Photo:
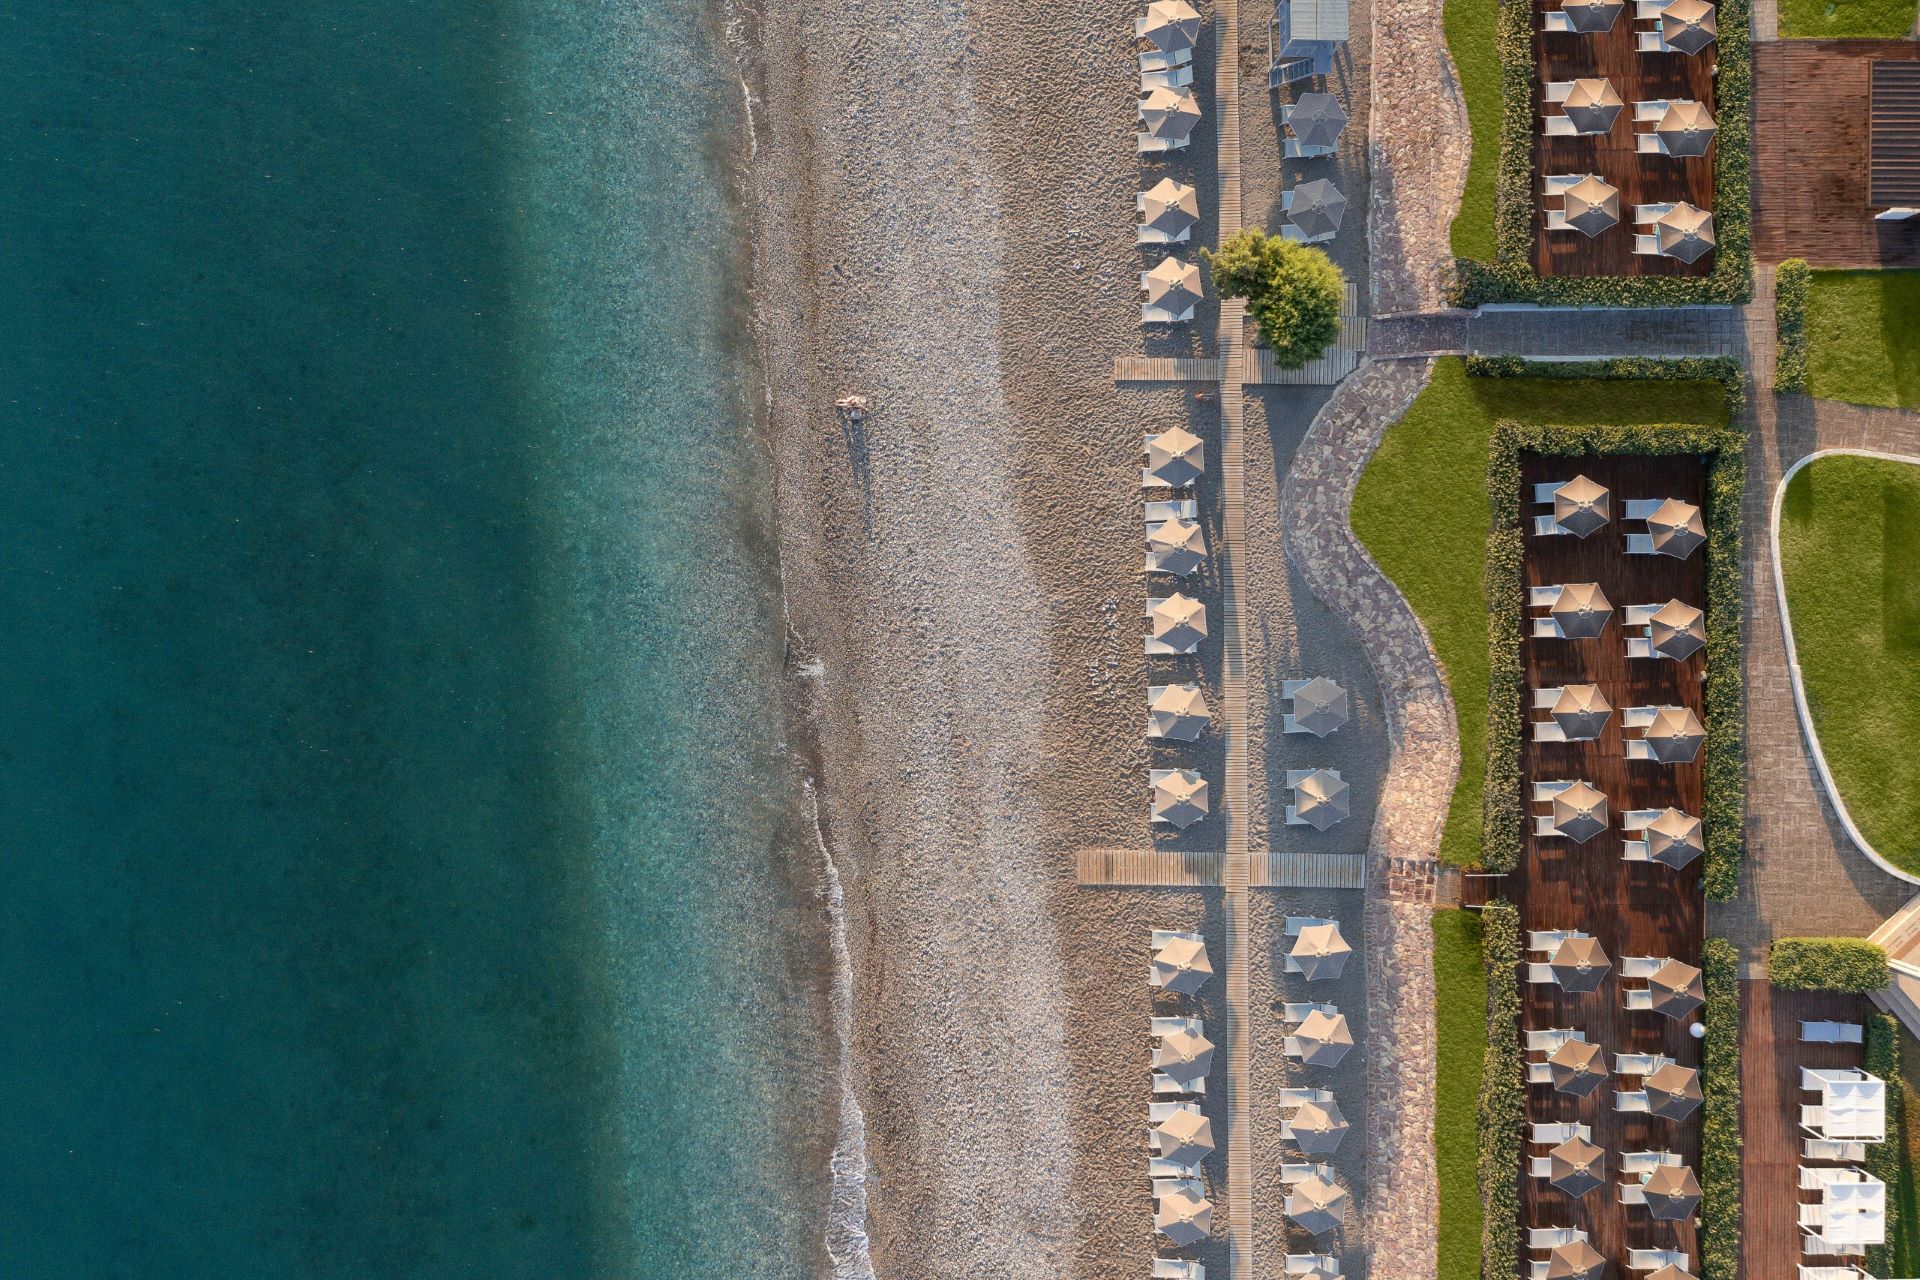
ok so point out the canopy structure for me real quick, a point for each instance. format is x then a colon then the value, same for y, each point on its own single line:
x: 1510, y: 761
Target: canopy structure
x: 1580, y: 506
x: 1580, y: 812
x: 1689, y: 25
x: 1170, y: 207
x: 1593, y: 106
x: 1323, y: 1039
x: 1181, y: 965
x: 1856, y: 1212
x: 1676, y: 989
x: 1172, y: 25
x: 1592, y: 17
x: 1685, y: 233
x: 1685, y: 129
x: 1321, y: 799
x: 1673, y: 1194
x: 1576, y: 1166
x: 1853, y: 1110
x: 1317, y: 120
x: 1677, y: 630
x: 1577, y: 1068
x: 1177, y: 712
x: 1179, y: 796
x: 1582, y: 610
x: 1317, y: 208
x: 1183, y: 1055
x: 1320, y: 952
x: 1318, y: 1127
x: 1179, y: 622
x: 1581, y: 712
x: 1316, y: 1204
x: 1676, y: 527
x: 1176, y: 458
x: 1183, y: 1216
x: 1592, y: 206
x: 1576, y: 1261
x: 1174, y: 286
x: 1675, y: 838
x: 1675, y: 735
x: 1319, y: 706
x: 1579, y: 965
x: 1169, y: 114
x: 1185, y: 1137
x: 1176, y: 546
x: 1673, y: 1091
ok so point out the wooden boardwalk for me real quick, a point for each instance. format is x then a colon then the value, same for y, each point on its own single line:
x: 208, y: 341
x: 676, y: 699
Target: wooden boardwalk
x: 1276, y: 870
x: 1166, y: 369
x: 1205, y: 869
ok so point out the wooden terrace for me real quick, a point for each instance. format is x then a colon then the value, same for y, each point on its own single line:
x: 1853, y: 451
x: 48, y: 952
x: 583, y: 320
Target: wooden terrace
x: 1641, y: 179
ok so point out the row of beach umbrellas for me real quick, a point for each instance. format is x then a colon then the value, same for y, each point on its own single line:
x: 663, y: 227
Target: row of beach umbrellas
x: 1686, y: 26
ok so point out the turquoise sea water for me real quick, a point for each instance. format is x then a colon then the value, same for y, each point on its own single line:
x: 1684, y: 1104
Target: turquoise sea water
x: 394, y: 803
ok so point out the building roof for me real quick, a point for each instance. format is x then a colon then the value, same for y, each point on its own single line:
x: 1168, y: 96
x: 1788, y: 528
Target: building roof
x: 1893, y: 147
x: 1317, y: 20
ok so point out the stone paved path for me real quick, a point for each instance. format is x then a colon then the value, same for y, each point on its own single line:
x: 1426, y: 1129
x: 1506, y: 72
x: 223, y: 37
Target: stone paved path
x: 1315, y: 501
x: 1560, y: 334
x: 1417, y: 147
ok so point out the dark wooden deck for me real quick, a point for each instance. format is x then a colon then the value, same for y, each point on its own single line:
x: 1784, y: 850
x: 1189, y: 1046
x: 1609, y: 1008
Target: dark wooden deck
x: 1810, y: 136
x: 1641, y: 179
x: 1771, y: 1057
x: 1632, y: 908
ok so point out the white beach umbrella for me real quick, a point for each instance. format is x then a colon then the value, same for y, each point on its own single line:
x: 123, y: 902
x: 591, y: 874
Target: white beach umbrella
x: 1689, y: 25
x: 1592, y: 17
x: 1676, y: 989
x: 1582, y: 610
x: 1318, y: 1127
x: 1580, y: 812
x: 1316, y: 1205
x: 1170, y: 207
x: 1169, y: 114
x: 1179, y: 796
x: 1672, y: 1193
x: 1577, y: 1068
x: 1317, y: 208
x: 1592, y: 206
x: 1676, y: 527
x: 1174, y: 286
x: 1183, y: 1055
x: 1323, y: 1039
x: 1580, y: 506
x: 1685, y: 233
x: 1179, y: 622
x: 1320, y: 952
x: 1183, y: 1216
x: 1576, y: 1166
x: 1320, y: 706
x: 1576, y: 1261
x: 1685, y: 129
x: 1674, y: 838
x: 1677, y: 630
x: 1177, y: 546
x: 1581, y: 712
x: 1321, y: 799
x: 1177, y: 712
x: 1181, y: 966
x: 1675, y: 735
x: 1593, y: 105
x: 1172, y: 25
x: 1673, y: 1092
x: 1317, y: 120
x: 1579, y: 964
x: 1175, y: 457
x: 1185, y: 1137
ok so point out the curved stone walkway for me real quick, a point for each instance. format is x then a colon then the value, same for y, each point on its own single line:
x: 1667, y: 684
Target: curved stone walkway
x: 1402, y: 1210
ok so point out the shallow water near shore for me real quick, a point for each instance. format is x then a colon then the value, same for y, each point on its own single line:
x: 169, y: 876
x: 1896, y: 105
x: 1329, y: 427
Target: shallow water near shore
x: 400, y: 872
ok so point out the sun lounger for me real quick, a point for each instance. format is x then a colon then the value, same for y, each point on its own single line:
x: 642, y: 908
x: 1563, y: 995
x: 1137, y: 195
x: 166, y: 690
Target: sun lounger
x: 1556, y: 221
x: 1150, y: 145
x: 1536, y: 1271
x: 1166, y: 509
x: 1649, y: 42
x: 1638, y: 717
x: 1177, y: 1269
x: 1164, y: 1083
x: 1816, y: 1245
x: 1831, y: 1033
x: 1543, y: 699
x: 1548, y: 1041
x: 1555, y: 21
x: 1634, y: 851
x: 1636, y: 1064
x: 1547, y: 629
x: 1548, y: 939
x: 1637, y: 615
x: 1637, y: 749
x: 1552, y: 1135
x: 1301, y: 1097
x: 1830, y: 1273
x: 1630, y: 1100
x: 1541, y: 975
x: 1646, y: 247
x: 1546, y: 526
x: 1632, y: 1193
x: 1558, y: 127
x: 1553, y: 1237
x: 1540, y: 1166
x: 1294, y: 150
x: 1158, y: 938
x: 1557, y: 184
x: 1161, y: 59
x: 1649, y: 110
x: 1647, y: 1161
x: 1828, y: 1149
x: 1821, y: 1179
x: 1539, y: 1073
x: 1302, y: 1011
x: 1542, y: 597
x: 1654, y: 1259
x: 1640, y: 647
x: 1543, y: 828
x: 1545, y: 791
x: 1170, y: 1026
x: 1813, y: 1215
x: 1640, y: 966
x: 1159, y: 1167
x: 1306, y: 1264
x: 1641, y: 508
x: 1544, y: 491
x: 1648, y: 144
x: 1557, y: 91
x: 1293, y: 1172
x: 1548, y: 731
x: 1639, y: 1000
x: 1815, y: 1079
x: 1296, y: 925
x: 1167, y: 78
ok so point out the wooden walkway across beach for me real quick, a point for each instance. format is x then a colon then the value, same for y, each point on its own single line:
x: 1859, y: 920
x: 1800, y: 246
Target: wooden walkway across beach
x: 1254, y: 365
x: 1205, y: 868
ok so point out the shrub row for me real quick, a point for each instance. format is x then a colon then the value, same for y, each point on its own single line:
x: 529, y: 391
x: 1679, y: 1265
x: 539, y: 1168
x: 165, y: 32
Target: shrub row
x: 1884, y: 1158
x: 1790, y: 288
x: 1503, y: 1096
x: 1724, y: 370
x: 1720, y: 1113
x: 1511, y: 277
x: 1827, y: 964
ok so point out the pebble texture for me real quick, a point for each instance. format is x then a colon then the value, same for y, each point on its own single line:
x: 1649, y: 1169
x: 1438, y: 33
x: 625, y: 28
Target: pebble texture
x: 1417, y: 149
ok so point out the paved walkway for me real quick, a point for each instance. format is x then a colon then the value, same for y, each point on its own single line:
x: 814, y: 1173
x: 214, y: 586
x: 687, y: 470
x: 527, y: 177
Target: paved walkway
x: 1417, y: 147
x: 1402, y: 1202
x: 1553, y: 334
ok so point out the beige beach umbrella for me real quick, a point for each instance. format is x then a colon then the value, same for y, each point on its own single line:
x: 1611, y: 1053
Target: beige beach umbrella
x: 1576, y: 1261
x: 1593, y: 105
x: 1582, y: 610
x: 1172, y: 25
x: 1185, y: 1137
x: 1179, y: 796
x: 1677, y: 630
x: 1673, y: 1193
x: 1170, y: 207
x: 1318, y: 1127
x: 1580, y: 812
x: 1321, y: 799
x: 1592, y: 17
x: 1673, y: 1091
x: 1685, y: 129
x: 1689, y: 25
x: 1674, y: 838
x: 1676, y: 528
x: 1576, y: 1166
x: 1577, y: 1068
x: 1580, y: 506
x: 1676, y: 989
x: 1685, y: 233
x: 1592, y: 206
x: 1177, y: 712
x: 1670, y: 1272
x: 1179, y: 622
x: 1181, y: 966
x: 1183, y: 1216
x: 1581, y: 712
x: 1176, y: 546
x: 1169, y: 114
x: 1320, y: 951
x: 1675, y: 735
x: 1579, y: 965
x: 1323, y: 1039
x: 1320, y: 706
x: 1176, y: 457
x: 1316, y: 1205
x: 1174, y: 286
x: 1183, y: 1055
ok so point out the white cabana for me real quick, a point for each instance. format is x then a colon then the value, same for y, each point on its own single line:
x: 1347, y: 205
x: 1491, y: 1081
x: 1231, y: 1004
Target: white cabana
x: 1852, y: 1107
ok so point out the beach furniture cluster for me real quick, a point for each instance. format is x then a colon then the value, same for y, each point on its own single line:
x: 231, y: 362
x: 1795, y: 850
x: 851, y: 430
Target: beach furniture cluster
x: 1300, y: 46
x: 1318, y: 707
x: 1842, y: 1209
x: 1168, y: 111
x: 1318, y: 1039
x: 1176, y: 623
x: 1179, y: 1134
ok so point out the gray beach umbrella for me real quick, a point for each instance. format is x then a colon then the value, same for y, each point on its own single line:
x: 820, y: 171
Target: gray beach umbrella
x: 1580, y: 965
x: 1321, y: 799
x: 1577, y: 1068
x: 1676, y: 528
x: 1580, y: 812
x: 1172, y: 25
x: 1181, y: 966
x: 1179, y: 796
x: 1674, y: 839
x: 1183, y: 1055
x: 1673, y: 1193
x: 1177, y: 546
x: 1582, y: 610
x: 1177, y: 712
x: 1169, y: 114
x: 1581, y: 712
x: 1183, y: 1216
x: 1675, y: 735
x: 1685, y: 129
x: 1580, y: 506
x: 1593, y: 105
x: 1178, y: 621
x: 1174, y: 286
x: 1676, y: 989
x: 1317, y: 120
x: 1576, y: 1261
x: 1673, y: 1091
x: 1685, y: 233
x: 1576, y: 1166
x: 1176, y: 457
x: 1592, y: 206
x: 1689, y: 25
x: 1170, y: 207
x: 1317, y: 208
x: 1185, y: 1137
x: 1320, y: 706
x: 1318, y: 1127
x: 1323, y: 1039
x: 1320, y: 952
x: 1316, y: 1205
x: 1592, y: 17
x: 1677, y: 630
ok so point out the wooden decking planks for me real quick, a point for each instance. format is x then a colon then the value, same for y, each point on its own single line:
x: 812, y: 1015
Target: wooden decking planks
x: 1166, y: 369
x: 1277, y: 870
x: 1161, y: 868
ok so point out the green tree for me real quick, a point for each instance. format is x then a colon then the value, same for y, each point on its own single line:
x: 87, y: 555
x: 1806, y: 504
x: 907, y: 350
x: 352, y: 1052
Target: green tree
x: 1292, y: 291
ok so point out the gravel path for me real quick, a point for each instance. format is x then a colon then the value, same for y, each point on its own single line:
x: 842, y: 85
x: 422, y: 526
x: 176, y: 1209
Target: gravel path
x: 1417, y: 148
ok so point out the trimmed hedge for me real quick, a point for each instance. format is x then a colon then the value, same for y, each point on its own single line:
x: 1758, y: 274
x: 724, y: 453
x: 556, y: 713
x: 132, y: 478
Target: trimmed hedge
x: 1511, y: 277
x: 1724, y: 370
x: 1503, y: 1096
x: 1885, y: 1158
x: 1790, y: 288
x: 1827, y: 964
x: 1720, y: 1112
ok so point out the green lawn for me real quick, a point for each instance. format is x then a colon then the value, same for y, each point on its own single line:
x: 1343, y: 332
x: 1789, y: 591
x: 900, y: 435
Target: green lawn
x: 1863, y: 336
x: 1421, y: 510
x: 1470, y: 39
x: 1831, y: 19
x: 1849, y: 546
x: 1460, y: 1016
